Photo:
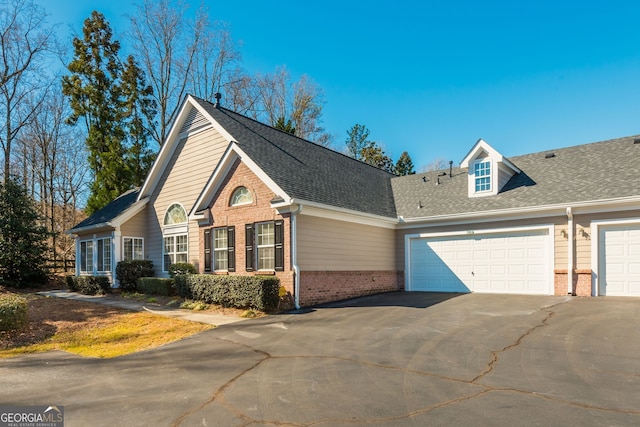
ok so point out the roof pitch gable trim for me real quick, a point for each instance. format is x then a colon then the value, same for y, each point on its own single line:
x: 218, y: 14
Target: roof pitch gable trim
x: 482, y: 145
x: 231, y: 154
x: 175, y: 136
x: 116, y: 222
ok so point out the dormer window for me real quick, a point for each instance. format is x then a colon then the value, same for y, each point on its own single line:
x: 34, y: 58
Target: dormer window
x: 482, y: 176
x: 488, y: 170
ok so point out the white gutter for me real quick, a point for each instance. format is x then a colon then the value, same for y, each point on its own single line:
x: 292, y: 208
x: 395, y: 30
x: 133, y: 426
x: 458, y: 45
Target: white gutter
x: 294, y: 257
x: 570, y: 245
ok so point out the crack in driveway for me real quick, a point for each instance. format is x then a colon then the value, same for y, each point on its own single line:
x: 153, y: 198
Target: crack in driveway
x: 219, y: 395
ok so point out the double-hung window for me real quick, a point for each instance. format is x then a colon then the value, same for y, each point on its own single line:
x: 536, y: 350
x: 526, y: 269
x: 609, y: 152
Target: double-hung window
x: 175, y: 250
x: 132, y: 248
x: 104, y: 255
x: 86, y: 256
x: 265, y: 246
x: 482, y: 175
x: 223, y: 258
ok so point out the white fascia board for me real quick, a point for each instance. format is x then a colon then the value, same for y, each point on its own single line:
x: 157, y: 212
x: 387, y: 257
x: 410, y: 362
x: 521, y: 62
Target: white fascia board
x: 347, y: 215
x: 588, y: 207
x: 231, y: 154
x: 173, y: 139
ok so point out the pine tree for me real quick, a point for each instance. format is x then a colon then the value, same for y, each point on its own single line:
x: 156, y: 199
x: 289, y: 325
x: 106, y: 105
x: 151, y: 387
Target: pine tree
x: 285, y: 126
x: 404, y: 165
x: 115, y: 103
x: 22, y: 238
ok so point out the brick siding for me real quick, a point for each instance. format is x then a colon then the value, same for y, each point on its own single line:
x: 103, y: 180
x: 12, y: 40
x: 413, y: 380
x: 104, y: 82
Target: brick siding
x: 317, y: 287
x: 581, y: 282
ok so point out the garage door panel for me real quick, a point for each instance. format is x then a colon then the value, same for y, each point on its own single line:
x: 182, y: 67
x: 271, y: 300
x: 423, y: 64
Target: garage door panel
x: 619, y: 260
x: 517, y: 262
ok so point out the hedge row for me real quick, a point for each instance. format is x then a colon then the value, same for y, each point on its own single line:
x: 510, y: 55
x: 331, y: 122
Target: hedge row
x: 13, y: 312
x: 156, y: 286
x: 258, y: 292
x: 89, y: 285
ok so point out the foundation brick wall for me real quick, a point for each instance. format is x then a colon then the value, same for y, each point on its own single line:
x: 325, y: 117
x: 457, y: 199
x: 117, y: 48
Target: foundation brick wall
x: 224, y: 215
x: 317, y: 287
x: 581, y: 282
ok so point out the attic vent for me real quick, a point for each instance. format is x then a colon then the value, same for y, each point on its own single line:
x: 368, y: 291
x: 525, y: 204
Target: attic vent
x: 549, y: 155
x: 195, y: 120
x: 636, y: 141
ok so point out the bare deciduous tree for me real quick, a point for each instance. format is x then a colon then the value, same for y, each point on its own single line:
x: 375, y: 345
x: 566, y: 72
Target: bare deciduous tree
x: 165, y: 42
x: 54, y: 169
x: 25, y: 43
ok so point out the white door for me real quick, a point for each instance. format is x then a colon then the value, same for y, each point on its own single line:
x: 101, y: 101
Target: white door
x: 619, y: 268
x: 514, y: 262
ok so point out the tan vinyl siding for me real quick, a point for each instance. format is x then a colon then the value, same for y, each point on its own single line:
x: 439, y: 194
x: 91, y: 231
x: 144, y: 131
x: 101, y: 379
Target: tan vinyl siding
x: 182, y: 182
x: 329, y: 245
x: 503, y: 176
x: 560, y: 245
x: 136, y: 226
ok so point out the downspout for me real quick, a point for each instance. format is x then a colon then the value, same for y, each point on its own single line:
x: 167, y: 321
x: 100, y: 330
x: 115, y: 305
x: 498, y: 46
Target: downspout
x: 570, y: 244
x: 294, y: 257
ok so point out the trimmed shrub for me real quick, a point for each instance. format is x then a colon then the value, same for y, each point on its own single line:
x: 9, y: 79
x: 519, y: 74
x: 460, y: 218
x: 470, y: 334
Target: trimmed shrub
x: 181, y: 268
x: 156, y: 286
x: 71, y: 283
x: 13, y: 312
x: 259, y: 292
x: 89, y: 285
x: 128, y: 272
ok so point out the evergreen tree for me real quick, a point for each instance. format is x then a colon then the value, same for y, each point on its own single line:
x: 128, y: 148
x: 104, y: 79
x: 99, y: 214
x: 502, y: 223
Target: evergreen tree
x: 285, y: 126
x: 357, y: 141
x: 115, y: 103
x: 375, y: 156
x: 404, y: 165
x: 22, y: 238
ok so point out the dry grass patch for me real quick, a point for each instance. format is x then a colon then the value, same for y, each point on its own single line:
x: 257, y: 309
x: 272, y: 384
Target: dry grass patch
x: 92, y: 330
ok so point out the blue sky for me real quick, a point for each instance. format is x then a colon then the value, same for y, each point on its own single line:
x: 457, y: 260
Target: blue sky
x: 431, y: 77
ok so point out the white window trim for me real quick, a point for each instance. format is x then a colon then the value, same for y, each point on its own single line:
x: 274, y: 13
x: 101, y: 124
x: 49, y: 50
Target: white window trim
x: 133, y: 238
x: 165, y: 268
x: 221, y: 249
x: 91, y: 265
x: 243, y: 203
x: 493, y: 177
x: 272, y: 245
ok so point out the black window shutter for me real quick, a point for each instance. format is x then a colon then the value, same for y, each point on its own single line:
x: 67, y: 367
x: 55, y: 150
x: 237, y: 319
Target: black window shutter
x: 279, y: 249
x: 249, y: 246
x: 231, y: 248
x: 207, y: 251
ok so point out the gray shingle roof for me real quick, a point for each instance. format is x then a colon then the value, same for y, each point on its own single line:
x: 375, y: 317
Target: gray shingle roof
x: 308, y: 171
x: 582, y: 173
x: 111, y: 211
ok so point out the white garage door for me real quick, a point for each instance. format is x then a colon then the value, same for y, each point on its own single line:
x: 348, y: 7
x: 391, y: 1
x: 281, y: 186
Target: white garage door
x: 620, y: 260
x: 515, y: 262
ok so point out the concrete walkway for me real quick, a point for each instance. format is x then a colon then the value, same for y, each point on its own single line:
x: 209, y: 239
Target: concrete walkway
x: 129, y: 304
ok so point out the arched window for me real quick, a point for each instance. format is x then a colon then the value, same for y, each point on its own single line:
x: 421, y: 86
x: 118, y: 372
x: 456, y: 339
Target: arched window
x: 175, y: 236
x: 175, y: 215
x: 241, y: 196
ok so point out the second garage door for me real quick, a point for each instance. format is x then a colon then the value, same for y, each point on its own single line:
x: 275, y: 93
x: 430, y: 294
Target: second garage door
x: 620, y: 260
x: 508, y: 262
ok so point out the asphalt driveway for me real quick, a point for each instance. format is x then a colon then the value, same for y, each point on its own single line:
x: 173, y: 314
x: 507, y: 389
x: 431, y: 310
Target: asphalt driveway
x: 399, y: 359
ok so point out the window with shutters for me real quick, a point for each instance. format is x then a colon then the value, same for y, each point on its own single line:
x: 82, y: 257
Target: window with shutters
x: 264, y: 245
x: 223, y: 256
